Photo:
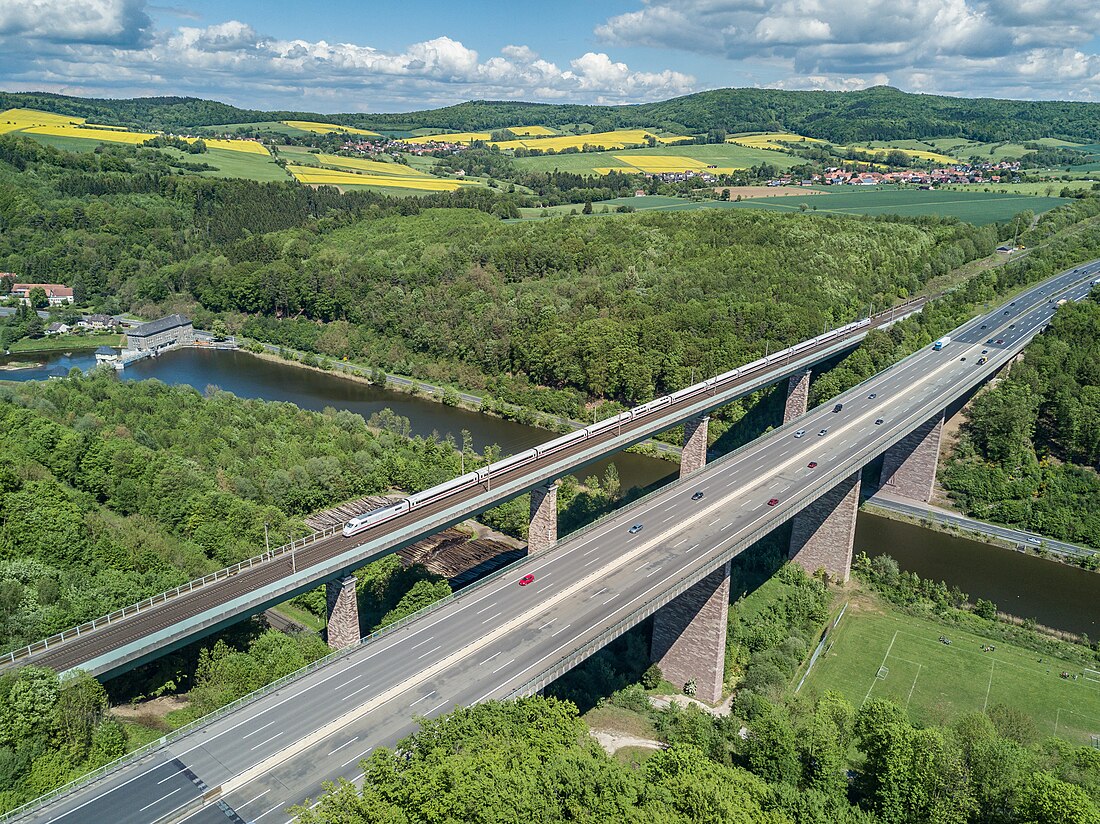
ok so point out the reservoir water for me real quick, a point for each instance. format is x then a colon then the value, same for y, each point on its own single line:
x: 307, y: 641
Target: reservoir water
x: 1053, y: 594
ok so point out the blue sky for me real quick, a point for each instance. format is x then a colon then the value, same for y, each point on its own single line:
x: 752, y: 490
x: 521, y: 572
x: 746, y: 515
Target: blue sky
x: 337, y: 56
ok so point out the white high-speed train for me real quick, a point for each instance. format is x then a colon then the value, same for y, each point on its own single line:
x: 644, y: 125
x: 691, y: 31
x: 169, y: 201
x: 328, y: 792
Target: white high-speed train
x: 367, y: 520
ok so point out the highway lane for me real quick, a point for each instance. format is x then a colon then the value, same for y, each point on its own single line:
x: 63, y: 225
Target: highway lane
x: 207, y: 607
x: 497, y: 636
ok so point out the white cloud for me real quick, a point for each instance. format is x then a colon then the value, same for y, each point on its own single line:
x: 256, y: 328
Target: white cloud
x: 116, y: 22
x: 1030, y: 48
x: 110, y: 48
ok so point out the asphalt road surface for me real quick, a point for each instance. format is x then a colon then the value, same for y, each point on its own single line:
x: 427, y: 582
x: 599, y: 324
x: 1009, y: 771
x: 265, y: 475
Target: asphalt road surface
x: 497, y: 639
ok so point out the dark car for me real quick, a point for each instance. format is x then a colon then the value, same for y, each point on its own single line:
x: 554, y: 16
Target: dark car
x: 985, y: 326
x: 1000, y: 341
x: 963, y: 357
x: 1012, y: 326
x: 989, y: 341
x: 878, y: 421
x: 822, y: 432
x: 985, y: 351
x: 773, y: 502
x: 1012, y: 304
x: 697, y: 496
x: 982, y: 360
x: 635, y: 529
x: 872, y: 396
x: 838, y: 407
x: 812, y: 465
x: 526, y: 579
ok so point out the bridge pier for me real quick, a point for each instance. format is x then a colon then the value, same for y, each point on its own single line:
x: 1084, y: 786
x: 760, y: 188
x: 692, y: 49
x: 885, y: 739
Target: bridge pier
x: 909, y: 467
x: 694, y: 454
x: 798, y: 396
x: 343, y: 612
x: 689, y: 635
x: 823, y: 533
x: 542, y: 531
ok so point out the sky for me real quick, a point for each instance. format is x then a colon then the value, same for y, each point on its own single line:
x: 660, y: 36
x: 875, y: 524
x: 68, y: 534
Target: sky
x: 368, y: 56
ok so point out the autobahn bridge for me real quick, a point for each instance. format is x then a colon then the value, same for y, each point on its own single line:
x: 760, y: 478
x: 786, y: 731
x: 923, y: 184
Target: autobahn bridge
x: 498, y: 640
x: 131, y: 636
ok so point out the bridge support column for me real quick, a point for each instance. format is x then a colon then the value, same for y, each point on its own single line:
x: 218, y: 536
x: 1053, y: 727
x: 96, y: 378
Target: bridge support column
x: 798, y: 396
x: 542, y: 531
x: 822, y: 534
x: 909, y: 466
x: 343, y: 612
x: 689, y: 635
x: 694, y: 455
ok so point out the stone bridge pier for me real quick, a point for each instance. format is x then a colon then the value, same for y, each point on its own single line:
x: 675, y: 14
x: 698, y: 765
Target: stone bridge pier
x: 694, y: 455
x: 542, y: 531
x: 343, y: 612
x: 909, y: 467
x: 823, y: 533
x: 798, y: 396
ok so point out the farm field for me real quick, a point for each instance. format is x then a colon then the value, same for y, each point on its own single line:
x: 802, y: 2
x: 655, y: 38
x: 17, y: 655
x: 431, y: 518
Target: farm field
x: 1036, y: 188
x: 913, y: 148
x: 247, y: 165
x: 619, y: 139
x: 771, y: 140
x: 373, y: 166
x: 313, y: 175
x: 65, y: 132
x: 722, y: 155
x: 273, y: 127
x: 453, y: 137
x: 327, y: 128
x: 887, y: 654
x: 974, y: 207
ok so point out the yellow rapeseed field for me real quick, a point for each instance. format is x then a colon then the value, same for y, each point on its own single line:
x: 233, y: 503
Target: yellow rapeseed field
x: 918, y: 154
x: 373, y: 166
x: 619, y: 139
x: 105, y: 135
x: 770, y: 140
x: 454, y: 137
x: 15, y: 119
x: 246, y: 146
x: 531, y: 131
x: 334, y: 177
x: 327, y: 128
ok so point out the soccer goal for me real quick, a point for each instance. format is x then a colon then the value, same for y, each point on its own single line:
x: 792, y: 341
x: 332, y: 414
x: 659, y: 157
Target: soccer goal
x: 883, y: 672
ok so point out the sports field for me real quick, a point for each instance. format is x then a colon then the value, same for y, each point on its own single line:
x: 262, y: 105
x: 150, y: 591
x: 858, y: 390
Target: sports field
x: 886, y: 654
x: 974, y: 207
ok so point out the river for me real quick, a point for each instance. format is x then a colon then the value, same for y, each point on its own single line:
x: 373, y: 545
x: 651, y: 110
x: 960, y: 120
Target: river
x: 1053, y: 594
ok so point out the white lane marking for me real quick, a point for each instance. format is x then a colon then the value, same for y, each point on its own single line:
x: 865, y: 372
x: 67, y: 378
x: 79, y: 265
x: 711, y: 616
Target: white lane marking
x: 437, y: 706
x: 249, y: 801
x: 354, y: 678
x: 147, y: 806
x: 487, y: 620
x: 654, y: 572
x: 172, y: 775
x: 483, y: 609
x: 356, y: 692
x: 595, y: 560
x: 612, y: 598
x: 364, y: 752
x: 346, y: 743
x: 273, y: 809
x: 490, y: 658
x: 258, y: 729
x: 502, y: 666
x: 600, y: 591
x: 548, y: 623
x: 422, y: 698
x: 422, y: 643
x: 429, y: 652
x: 716, y: 520
x: 266, y: 741
x: 669, y: 518
x: 561, y: 629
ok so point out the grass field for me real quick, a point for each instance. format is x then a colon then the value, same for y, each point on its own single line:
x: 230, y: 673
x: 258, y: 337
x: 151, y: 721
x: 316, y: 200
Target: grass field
x: 372, y: 166
x: 65, y: 343
x: 453, y: 137
x: 273, y: 127
x: 722, y: 155
x: 887, y: 654
x: 261, y: 167
x: 975, y: 207
x: 770, y: 140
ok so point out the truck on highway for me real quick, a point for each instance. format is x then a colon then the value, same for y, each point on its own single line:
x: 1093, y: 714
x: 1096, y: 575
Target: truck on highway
x: 942, y: 342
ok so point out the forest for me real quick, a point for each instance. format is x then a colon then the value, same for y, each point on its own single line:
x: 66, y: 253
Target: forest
x: 878, y: 113
x: 1029, y: 454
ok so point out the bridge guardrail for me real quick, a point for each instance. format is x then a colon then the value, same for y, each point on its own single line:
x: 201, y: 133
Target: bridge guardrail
x: 161, y: 597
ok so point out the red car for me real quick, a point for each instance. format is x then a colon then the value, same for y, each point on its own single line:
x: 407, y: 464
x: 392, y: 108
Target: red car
x: 812, y: 465
x: 526, y: 579
x: 773, y: 502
